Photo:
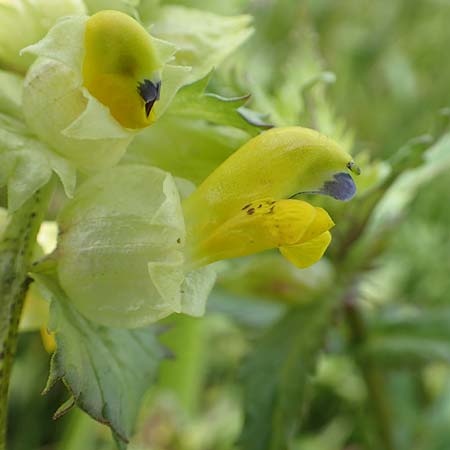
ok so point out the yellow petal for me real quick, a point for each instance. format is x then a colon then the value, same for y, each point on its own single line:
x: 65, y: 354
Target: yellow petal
x: 258, y: 226
x: 321, y: 223
x: 306, y: 254
x: 48, y: 340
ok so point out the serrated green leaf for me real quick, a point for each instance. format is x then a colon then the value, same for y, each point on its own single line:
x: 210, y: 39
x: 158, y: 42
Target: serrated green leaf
x: 106, y: 370
x: 276, y: 377
x: 192, y: 102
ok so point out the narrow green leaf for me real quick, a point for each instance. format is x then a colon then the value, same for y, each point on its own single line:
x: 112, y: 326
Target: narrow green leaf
x: 276, y: 376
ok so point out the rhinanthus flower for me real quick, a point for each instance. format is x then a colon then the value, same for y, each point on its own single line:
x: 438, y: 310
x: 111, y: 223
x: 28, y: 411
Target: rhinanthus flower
x: 91, y: 89
x: 246, y: 205
x: 130, y: 251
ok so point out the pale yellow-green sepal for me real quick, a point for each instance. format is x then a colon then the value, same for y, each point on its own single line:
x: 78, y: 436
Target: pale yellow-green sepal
x: 309, y: 252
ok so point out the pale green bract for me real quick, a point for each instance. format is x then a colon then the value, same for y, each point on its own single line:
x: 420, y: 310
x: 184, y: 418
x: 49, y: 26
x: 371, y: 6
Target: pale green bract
x: 11, y: 94
x: 204, y: 39
x: 190, y: 149
x: 4, y: 220
x: 120, y: 252
x: 26, y: 164
x: 126, y: 6
x: 23, y: 22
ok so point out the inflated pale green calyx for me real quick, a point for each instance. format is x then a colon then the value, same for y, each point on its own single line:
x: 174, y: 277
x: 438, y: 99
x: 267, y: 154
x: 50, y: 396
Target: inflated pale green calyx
x: 120, y: 256
x: 121, y: 67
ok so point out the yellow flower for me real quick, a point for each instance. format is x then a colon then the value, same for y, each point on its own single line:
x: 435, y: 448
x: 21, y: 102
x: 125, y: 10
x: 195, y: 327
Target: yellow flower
x: 246, y: 205
x: 122, y: 73
x: 130, y: 252
x: 97, y: 81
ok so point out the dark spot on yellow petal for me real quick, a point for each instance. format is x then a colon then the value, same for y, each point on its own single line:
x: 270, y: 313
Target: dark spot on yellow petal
x: 251, y: 211
x: 246, y: 206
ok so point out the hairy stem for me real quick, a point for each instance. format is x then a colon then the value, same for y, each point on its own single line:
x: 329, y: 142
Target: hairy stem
x: 372, y: 375
x: 16, y: 252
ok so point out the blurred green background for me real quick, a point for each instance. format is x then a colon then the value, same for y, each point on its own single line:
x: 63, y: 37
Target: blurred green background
x: 352, y: 353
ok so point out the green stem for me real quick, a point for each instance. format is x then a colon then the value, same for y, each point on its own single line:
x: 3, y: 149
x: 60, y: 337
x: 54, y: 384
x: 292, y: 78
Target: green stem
x: 184, y: 374
x: 16, y: 252
x: 372, y: 375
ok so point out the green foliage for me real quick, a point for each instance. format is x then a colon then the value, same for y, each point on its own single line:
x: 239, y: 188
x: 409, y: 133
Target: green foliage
x: 276, y: 376
x: 198, y: 132
x: 106, y: 370
x: 26, y: 164
x: 351, y: 353
x: 193, y: 103
x: 204, y: 39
